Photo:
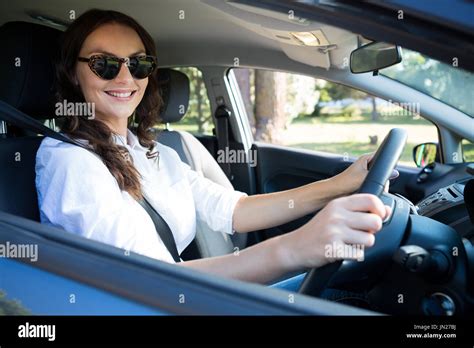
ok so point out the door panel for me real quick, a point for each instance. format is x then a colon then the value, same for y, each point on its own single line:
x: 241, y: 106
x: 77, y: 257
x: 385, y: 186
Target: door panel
x: 282, y: 168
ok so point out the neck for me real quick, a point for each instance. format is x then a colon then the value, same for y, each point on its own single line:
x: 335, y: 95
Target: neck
x: 116, y: 125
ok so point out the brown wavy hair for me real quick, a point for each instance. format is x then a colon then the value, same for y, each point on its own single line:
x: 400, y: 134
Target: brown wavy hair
x: 97, y: 133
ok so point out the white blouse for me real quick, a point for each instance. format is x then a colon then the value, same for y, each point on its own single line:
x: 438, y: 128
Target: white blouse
x: 77, y: 192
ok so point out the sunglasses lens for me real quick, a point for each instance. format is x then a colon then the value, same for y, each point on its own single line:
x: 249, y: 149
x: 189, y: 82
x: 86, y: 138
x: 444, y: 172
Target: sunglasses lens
x: 142, y: 67
x: 106, y: 67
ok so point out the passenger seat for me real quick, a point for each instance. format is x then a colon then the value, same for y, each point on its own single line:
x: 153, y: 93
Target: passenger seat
x: 175, y: 93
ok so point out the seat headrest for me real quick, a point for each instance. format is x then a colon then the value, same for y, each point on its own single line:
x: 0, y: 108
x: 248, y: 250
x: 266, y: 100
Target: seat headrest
x: 26, y: 67
x: 174, y: 87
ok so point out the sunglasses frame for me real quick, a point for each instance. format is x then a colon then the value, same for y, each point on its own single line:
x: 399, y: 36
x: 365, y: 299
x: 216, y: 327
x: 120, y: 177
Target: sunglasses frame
x: 126, y: 60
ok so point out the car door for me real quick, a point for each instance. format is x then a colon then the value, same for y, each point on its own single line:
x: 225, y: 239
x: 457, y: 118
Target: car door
x: 66, y: 274
x: 322, y: 136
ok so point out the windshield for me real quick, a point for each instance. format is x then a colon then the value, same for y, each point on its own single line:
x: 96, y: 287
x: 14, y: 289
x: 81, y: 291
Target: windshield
x: 448, y: 83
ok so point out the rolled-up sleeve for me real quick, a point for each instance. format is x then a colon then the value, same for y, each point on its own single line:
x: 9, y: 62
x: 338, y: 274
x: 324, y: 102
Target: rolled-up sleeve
x: 214, y: 203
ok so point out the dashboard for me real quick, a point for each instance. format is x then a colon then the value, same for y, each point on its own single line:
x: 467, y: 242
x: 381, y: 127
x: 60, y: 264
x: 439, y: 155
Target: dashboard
x: 447, y: 205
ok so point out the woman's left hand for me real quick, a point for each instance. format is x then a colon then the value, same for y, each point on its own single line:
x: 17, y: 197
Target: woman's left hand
x: 350, y: 180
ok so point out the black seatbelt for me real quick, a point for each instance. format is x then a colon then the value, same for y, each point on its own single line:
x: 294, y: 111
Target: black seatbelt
x: 14, y: 116
x: 17, y: 118
x: 162, y: 228
x: 222, y: 116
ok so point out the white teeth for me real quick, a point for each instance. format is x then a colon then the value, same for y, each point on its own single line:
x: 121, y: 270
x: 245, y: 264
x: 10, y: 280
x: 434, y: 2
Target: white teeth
x: 120, y: 95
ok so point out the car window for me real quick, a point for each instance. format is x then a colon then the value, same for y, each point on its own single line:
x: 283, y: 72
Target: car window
x: 198, y: 118
x: 304, y: 112
x: 468, y: 150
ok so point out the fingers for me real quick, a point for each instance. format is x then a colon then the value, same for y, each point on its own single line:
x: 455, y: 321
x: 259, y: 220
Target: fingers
x: 364, y: 221
x: 352, y: 245
x: 366, y: 158
x: 364, y: 202
x: 395, y: 174
x: 359, y: 238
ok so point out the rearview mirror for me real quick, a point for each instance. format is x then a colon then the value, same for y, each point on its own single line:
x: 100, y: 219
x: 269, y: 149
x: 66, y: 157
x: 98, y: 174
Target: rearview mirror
x: 424, y: 154
x: 374, y: 56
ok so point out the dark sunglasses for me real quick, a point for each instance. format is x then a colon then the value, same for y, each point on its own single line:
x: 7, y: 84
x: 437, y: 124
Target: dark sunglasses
x: 108, y: 67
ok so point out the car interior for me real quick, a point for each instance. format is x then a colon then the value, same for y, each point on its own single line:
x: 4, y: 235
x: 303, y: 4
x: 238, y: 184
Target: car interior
x: 426, y: 250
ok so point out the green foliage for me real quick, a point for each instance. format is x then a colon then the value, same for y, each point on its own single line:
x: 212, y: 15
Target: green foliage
x: 324, y: 95
x: 337, y: 91
x: 199, y: 110
x: 468, y: 151
x: 445, y: 82
x: 11, y: 307
x: 330, y: 91
x: 351, y: 110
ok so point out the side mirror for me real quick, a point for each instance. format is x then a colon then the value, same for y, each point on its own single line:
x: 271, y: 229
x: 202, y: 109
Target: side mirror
x: 374, y: 56
x: 426, y: 153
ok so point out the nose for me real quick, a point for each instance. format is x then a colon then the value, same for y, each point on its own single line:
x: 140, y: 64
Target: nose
x: 124, y: 74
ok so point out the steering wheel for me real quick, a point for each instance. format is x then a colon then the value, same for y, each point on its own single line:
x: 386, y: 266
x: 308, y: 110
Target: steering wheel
x: 390, y: 237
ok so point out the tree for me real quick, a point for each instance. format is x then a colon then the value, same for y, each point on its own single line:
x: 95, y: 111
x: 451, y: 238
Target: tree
x: 270, y: 98
x: 335, y: 91
x: 244, y: 80
x: 446, y: 82
x: 11, y: 307
x: 374, y: 114
x: 199, y: 109
x: 199, y: 90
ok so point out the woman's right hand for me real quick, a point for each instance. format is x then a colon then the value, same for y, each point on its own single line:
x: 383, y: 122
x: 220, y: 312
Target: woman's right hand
x: 351, y: 220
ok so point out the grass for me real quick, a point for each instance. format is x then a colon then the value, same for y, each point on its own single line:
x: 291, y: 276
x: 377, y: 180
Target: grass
x: 356, y: 149
x: 353, y: 148
x: 188, y: 125
x: 365, y: 118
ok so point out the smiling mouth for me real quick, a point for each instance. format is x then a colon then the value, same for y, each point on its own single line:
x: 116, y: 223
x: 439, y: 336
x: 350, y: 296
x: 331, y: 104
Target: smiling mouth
x: 120, y: 95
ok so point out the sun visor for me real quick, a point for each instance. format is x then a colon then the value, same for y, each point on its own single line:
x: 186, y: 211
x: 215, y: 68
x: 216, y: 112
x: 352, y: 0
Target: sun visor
x: 302, y: 40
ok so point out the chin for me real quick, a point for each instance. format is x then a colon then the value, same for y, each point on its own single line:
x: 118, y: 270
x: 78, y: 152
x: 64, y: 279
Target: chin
x: 120, y: 113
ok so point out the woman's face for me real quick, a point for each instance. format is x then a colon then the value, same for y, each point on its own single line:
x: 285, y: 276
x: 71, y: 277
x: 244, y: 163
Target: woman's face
x: 115, y: 100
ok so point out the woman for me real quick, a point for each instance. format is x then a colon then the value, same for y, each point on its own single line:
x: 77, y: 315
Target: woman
x: 107, y: 59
